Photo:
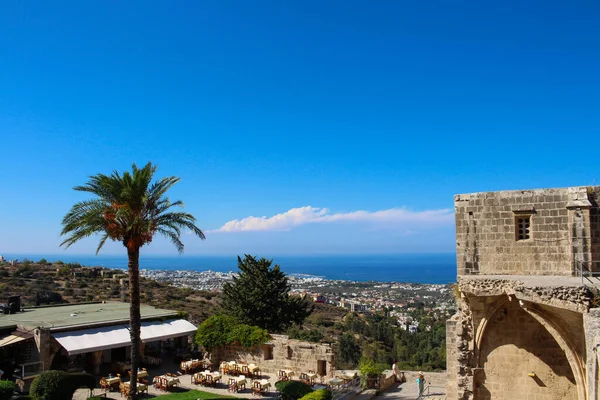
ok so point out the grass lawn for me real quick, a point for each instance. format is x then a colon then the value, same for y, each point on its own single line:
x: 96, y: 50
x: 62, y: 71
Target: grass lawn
x: 189, y: 395
x: 193, y: 395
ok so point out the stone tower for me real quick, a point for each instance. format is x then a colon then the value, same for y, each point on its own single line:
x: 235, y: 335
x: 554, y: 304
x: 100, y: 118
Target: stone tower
x: 527, y: 288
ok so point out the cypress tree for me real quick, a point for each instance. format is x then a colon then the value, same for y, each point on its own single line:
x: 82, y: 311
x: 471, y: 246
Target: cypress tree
x: 260, y: 295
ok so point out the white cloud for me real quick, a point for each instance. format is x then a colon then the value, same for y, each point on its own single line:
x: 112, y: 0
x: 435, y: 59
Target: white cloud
x: 312, y: 215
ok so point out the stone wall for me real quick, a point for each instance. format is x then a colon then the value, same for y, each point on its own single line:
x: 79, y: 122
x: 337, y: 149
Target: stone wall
x: 519, y: 359
x: 282, y: 353
x: 505, y: 329
x: 564, y: 231
x: 387, y: 379
x: 592, y: 335
x: 452, y: 365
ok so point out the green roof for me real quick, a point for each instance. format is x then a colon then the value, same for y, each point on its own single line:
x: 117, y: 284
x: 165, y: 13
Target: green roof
x: 78, y: 315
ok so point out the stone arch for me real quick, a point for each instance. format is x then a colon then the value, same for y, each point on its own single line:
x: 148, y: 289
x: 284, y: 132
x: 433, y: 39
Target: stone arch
x: 491, y: 310
x: 565, y: 343
x: 518, y: 355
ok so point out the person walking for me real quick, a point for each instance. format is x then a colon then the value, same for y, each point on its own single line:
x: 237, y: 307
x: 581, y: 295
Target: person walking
x: 395, y: 371
x: 421, y: 383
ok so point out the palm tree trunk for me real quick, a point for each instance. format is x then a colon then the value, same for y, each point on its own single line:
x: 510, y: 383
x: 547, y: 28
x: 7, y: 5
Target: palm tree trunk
x: 133, y: 255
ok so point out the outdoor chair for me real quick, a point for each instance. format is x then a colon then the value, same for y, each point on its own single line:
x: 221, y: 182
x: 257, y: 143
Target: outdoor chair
x: 245, y: 371
x: 224, y: 368
x: 282, y: 376
x: 304, y: 378
x: 232, y: 387
x: 197, y: 378
x: 256, y: 388
x: 163, y: 384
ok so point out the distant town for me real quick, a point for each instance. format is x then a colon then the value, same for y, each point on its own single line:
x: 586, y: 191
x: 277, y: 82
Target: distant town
x: 399, y: 300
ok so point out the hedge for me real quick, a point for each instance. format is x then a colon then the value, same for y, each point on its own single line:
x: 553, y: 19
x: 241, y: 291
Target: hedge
x: 7, y: 389
x: 292, y: 390
x: 321, y: 394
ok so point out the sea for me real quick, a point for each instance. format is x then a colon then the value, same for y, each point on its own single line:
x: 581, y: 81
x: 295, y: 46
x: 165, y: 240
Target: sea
x: 437, y: 268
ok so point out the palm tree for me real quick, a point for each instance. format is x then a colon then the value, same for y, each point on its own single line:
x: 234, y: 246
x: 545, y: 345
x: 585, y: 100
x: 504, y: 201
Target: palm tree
x: 129, y: 208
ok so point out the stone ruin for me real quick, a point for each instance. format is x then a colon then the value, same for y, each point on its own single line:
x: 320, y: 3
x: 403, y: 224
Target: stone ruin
x: 526, y: 326
x: 281, y: 353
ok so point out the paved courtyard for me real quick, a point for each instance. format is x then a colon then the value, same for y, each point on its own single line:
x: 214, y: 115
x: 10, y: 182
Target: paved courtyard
x: 185, y: 385
x: 435, y: 388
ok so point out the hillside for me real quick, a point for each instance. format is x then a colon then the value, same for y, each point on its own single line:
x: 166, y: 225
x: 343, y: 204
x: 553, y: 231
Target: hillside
x: 42, y: 282
x: 374, y: 336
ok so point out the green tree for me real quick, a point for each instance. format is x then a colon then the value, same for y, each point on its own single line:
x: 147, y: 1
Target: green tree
x: 129, y: 208
x: 349, y: 351
x: 259, y: 295
x: 223, y: 330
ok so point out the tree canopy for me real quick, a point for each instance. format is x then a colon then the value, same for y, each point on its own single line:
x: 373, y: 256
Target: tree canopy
x: 260, y: 295
x: 224, y: 330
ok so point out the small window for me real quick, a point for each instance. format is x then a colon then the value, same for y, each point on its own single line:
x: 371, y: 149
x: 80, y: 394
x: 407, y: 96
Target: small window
x: 523, y: 227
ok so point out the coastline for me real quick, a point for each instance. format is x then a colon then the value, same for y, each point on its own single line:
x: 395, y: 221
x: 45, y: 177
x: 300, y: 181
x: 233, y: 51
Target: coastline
x: 435, y: 268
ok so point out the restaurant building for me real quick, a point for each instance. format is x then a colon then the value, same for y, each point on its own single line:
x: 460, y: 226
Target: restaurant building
x: 76, y: 337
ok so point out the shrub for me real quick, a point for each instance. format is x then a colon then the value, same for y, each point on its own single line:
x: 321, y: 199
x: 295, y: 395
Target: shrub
x: 51, y: 385
x: 321, y: 394
x: 59, y: 385
x: 369, y: 369
x: 6, y: 389
x: 292, y: 390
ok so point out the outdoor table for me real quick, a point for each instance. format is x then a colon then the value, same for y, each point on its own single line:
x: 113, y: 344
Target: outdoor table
x: 335, y: 382
x: 264, y: 383
x: 141, y: 387
x: 347, y: 376
x: 260, y: 386
x: 215, y: 374
x: 253, y: 369
x: 113, y: 381
x: 311, y: 376
x: 289, y: 373
x: 188, y: 364
x: 171, y: 381
x: 214, y: 377
x: 142, y: 374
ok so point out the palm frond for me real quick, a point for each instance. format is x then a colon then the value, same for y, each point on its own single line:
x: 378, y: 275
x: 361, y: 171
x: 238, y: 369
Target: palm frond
x: 130, y: 208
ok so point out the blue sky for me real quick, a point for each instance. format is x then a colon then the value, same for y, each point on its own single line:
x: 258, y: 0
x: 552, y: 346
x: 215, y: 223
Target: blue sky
x: 347, y: 125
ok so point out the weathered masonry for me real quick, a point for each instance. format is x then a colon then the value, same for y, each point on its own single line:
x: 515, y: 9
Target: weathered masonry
x: 526, y: 326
